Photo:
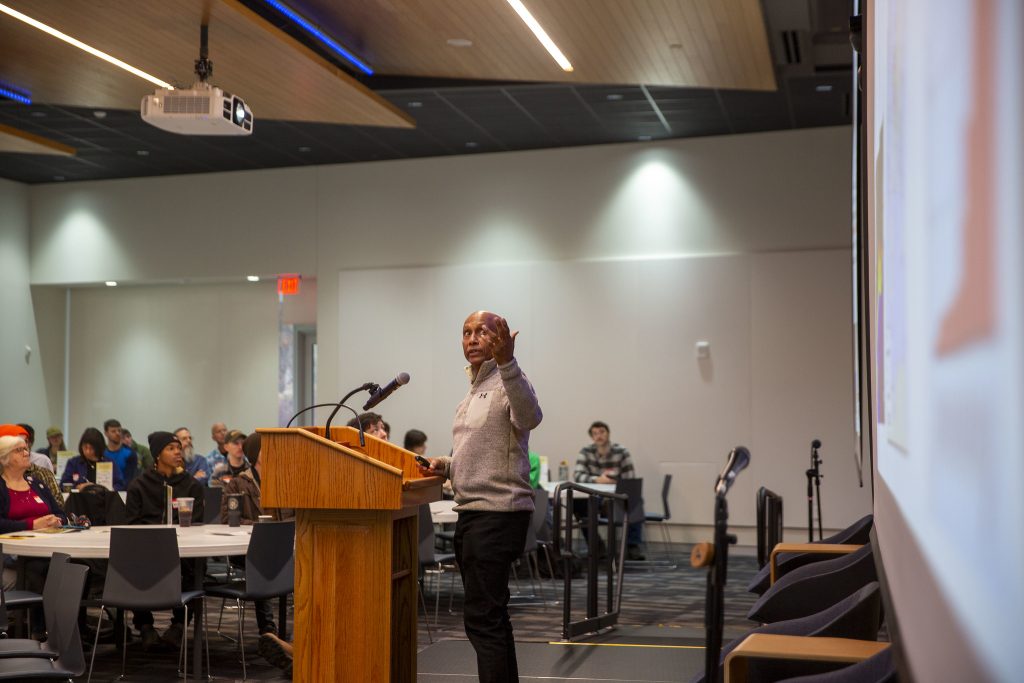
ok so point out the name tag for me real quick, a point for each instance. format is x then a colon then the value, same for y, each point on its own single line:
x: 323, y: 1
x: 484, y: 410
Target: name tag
x: 38, y: 499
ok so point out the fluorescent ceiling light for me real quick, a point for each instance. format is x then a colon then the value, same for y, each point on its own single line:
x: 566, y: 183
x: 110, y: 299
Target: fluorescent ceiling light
x: 324, y: 39
x: 110, y: 283
x: 542, y: 35
x: 252, y: 278
x: 82, y: 46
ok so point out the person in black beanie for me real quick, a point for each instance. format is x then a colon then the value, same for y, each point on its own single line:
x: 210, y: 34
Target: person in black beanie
x: 146, y: 506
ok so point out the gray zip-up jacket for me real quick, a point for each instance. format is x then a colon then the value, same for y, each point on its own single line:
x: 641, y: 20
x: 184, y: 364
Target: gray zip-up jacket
x: 489, y: 466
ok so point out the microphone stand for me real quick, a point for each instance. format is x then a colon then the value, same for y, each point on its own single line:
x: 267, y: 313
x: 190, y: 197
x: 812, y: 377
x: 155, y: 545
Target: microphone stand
x: 814, y: 486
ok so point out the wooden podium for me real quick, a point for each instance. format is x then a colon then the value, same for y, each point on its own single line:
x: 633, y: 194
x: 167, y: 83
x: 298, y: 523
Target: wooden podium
x: 356, y: 544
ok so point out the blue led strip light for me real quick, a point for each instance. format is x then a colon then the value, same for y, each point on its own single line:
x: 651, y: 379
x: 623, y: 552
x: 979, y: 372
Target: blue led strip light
x: 320, y: 35
x: 16, y: 95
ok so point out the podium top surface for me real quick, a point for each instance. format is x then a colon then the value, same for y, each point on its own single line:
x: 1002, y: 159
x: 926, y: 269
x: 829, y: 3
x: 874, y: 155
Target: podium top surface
x: 301, y: 468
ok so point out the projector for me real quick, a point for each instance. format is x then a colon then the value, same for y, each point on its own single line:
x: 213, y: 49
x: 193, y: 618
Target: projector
x: 202, y: 110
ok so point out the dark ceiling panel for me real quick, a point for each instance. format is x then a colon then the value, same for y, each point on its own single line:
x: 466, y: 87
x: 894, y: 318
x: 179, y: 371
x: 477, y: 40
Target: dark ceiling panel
x: 451, y: 119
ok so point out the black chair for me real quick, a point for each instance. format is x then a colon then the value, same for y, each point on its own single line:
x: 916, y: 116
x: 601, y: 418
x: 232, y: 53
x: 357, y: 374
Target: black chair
x: 212, y: 496
x: 102, y: 506
x: 269, y: 572
x: 144, y: 573
x: 531, y: 551
x: 431, y: 561
x: 855, y: 534
x: 63, y: 635
x: 880, y: 668
x: 661, y: 519
x: 27, y: 647
x: 813, y: 587
x: 858, y: 615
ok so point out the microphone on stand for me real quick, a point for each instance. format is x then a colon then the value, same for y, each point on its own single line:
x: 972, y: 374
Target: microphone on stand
x: 378, y: 395
x: 738, y: 460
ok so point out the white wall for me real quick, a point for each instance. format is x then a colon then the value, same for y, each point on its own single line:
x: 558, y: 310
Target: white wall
x: 160, y: 357
x: 23, y: 398
x: 742, y: 237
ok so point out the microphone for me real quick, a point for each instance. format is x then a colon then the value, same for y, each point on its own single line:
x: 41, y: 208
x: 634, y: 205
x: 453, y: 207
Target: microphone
x: 738, y: 460
x: 816, y: 444
x: 382, y: 393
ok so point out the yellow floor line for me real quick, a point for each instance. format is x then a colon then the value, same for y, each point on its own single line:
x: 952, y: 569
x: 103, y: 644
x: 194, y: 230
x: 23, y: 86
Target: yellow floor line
x: 664, y: 647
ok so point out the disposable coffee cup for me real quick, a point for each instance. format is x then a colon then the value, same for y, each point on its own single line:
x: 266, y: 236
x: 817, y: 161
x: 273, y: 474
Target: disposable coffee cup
x: 234, y: 509
x: 185, y: 511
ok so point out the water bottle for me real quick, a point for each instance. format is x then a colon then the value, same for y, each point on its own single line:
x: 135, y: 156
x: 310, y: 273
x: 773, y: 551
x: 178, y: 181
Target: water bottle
x: 563, y: 471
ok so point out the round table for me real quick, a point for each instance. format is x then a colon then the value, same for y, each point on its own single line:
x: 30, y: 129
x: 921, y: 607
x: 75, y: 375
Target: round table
x: 207, y: 540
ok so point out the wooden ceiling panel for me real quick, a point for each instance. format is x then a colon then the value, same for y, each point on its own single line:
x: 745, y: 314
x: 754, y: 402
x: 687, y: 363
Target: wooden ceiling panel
x: 22, y: 142
x: 277, y: 76
x: 697, y: 43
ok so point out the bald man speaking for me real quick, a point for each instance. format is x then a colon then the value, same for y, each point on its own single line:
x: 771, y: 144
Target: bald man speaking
x: 490, y: 473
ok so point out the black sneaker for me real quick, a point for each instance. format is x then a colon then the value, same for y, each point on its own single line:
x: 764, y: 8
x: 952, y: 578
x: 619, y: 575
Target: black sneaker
x: 150, y: 638
x: 633, y: 553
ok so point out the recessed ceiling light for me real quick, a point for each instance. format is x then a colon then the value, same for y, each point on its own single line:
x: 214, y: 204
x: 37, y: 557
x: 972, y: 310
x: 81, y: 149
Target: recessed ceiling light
x: 305, y: 149
x: 110, y: 283
x: 643, y: 138
x: 472, y: 145
x: 414, y: 105
x: 459, y: 42
x: 252, y: 278
x: 142, y: 152
x: 823, y: 88
x: 100, y: 114
x: 82, y: 46
x: 614, y: 97
x: 541, y: 34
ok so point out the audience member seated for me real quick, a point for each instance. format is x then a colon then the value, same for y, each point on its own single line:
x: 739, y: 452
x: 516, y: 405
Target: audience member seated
x: 142, y: 453
x: 119, y: 453
x: 81, y: 469
x: 218, y: 432
x: 245, y: 485
x: 43, y: 474
x: 55, y: 444
x: 415, y: 441
x: 373, y: 424
x: 147, y: 505
x: 604, y: 462
x: 195, y: 463
x: 235, y: 462
x: 38, y: 459
x: 26, y: 504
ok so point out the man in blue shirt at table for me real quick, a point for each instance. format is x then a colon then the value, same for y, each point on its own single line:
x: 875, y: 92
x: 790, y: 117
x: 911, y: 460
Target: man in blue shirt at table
x: 125, y: 458
x: 146, y: 505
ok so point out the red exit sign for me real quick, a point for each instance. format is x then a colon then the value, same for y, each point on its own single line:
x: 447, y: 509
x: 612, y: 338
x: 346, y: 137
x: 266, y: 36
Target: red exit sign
x: 288, y: 285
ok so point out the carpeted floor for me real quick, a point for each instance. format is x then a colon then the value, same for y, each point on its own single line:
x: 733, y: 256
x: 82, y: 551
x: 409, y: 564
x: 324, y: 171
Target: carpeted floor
x: 656, y: 606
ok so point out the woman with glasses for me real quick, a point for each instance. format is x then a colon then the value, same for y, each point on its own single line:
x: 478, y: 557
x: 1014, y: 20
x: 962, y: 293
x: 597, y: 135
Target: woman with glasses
x: 26, y: 504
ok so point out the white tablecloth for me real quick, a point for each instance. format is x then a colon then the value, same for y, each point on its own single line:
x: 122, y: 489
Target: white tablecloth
x: 208, y: 540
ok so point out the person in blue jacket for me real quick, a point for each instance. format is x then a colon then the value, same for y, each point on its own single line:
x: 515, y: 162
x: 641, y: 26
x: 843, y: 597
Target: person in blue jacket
x: 81, y: 469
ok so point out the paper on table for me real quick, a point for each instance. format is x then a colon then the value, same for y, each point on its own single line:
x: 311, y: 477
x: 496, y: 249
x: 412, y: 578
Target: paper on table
x: 62, y: 461
x: 105, y: 475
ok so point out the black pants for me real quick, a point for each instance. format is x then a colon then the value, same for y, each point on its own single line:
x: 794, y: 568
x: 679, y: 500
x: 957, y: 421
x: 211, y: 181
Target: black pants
x: 486, y: 545
x: 264, y: 609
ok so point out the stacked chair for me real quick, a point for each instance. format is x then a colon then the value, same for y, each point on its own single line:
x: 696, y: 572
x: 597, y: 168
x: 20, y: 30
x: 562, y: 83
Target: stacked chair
x: 818, y: 611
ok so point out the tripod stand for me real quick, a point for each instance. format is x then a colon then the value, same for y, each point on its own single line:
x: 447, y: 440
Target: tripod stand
x: 814, y: 476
